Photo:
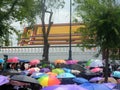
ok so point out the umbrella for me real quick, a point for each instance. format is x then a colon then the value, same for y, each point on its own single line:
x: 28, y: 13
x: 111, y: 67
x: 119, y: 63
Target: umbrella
x: 71, y: 61
x: 66, y: 75
x: 64, y: 87
x: 47, y: 80
x: 32, y: 70
x: 80, y: 80
x: 34, y: 62
x: 51, y: 73
x: 110, y: 80
x: 95, y: 79
x: 96, y: 69
x: 95, y: 63
x: 95, y: 86
x: 110, y: 85
x: 2, y: 61
x: 45, y: 70
x: 60, y: 61
x: 116, y: 74
x: 24, y: 61
x: 13, y: 60
x: 58, y: 71
x: 37, y: 75
x: 24, y: 78
x: 67, y: 70
x: 3, y: 80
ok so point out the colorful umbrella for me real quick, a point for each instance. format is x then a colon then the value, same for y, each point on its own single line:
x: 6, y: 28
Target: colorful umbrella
x: 13, y: 60
x: 66, y: 75
x: 47, y: 80
x: 32, y: 70
x: 37, y: 75
x: 58, y: 71
x: 95, y: 79
x: 2, y: 61
x: 95, y: 86
x: 96, y: 69
x: 95, y: 63
x: 51, y: 74
x: 64, y: 87
x: 34, y: 62
x: 45, y: 70
x: 60, y: 61
x: 110, y: 80
x: 80, y: 80
x: 3, y: 80
x: 71, y: 61
x: 116, y: 74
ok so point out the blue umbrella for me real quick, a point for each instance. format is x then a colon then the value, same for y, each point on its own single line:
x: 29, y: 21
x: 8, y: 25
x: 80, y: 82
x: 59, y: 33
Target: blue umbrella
x: 80, y: 80
x: 2, y: 61
x: 116, y: 74
x: 95, y: 86
x: 66, y: 75
x: 25, y: 61
x: 64, y: 87
x: 37, y: 75
x: 67, y: 70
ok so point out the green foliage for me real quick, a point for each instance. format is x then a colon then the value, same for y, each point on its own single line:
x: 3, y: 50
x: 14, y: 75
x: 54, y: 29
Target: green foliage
x: 23, y: 11
x: 102, y: 18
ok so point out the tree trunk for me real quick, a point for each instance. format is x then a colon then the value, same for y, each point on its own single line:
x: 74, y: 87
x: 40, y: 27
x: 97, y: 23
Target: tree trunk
x: 105, y: 57
x: 45, y: 55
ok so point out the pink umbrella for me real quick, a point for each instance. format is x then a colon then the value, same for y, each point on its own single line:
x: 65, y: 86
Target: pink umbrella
x: 34, y: 62
x: 96, y: 70
x: 32, y: 70
x: 71, y: 61
x: 13, y: 60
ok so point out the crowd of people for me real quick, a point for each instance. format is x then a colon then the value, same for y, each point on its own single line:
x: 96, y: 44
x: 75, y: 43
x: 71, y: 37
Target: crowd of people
x: 79, y: 71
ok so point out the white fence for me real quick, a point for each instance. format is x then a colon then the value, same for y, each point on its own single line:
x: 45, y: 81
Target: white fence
x: 55, y: 52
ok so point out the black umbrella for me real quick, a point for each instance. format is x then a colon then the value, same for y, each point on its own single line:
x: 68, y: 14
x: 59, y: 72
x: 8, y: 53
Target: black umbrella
x: 24, y: 78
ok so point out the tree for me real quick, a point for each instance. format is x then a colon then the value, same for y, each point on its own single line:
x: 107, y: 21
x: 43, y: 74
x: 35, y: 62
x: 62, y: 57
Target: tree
x: 101, y: 18
x: 45, y: 31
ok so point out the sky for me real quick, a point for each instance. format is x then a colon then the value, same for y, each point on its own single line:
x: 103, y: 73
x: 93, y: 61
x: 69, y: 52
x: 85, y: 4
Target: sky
x: 59, y: 16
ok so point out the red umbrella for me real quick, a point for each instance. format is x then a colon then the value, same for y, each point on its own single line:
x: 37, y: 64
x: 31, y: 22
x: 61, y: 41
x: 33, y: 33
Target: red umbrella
x: 34, y: 62
x: 13, y: 60
x: 94, y: 70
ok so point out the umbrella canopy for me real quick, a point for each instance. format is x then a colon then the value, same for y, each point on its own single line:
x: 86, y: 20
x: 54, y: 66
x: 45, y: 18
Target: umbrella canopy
x: 66, y: 75
x: 71, y: 61
x: 34, y: 62
x: 24, y: 78
x: 96, y: 69
x: 32, y: 70
x: 13, y: 60
x: 58, y: 71
x: 24, y: 61
x: 3, y: 80
x: 64, y: 87
x: 80, y: 80
x: 110, y: 80
x: 47, y: 80
x: 51, y: 74
x: 37, y: 75
x: 95, y: 86
x: 95, y: 79
x: 45, y: 70
x: 2, y: 61
x: 60, y: 61
x: 95, y: 63
x: 116, y: 74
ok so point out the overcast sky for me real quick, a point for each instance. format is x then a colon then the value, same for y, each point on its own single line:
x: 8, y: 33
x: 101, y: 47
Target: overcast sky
x: 59, y: 16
